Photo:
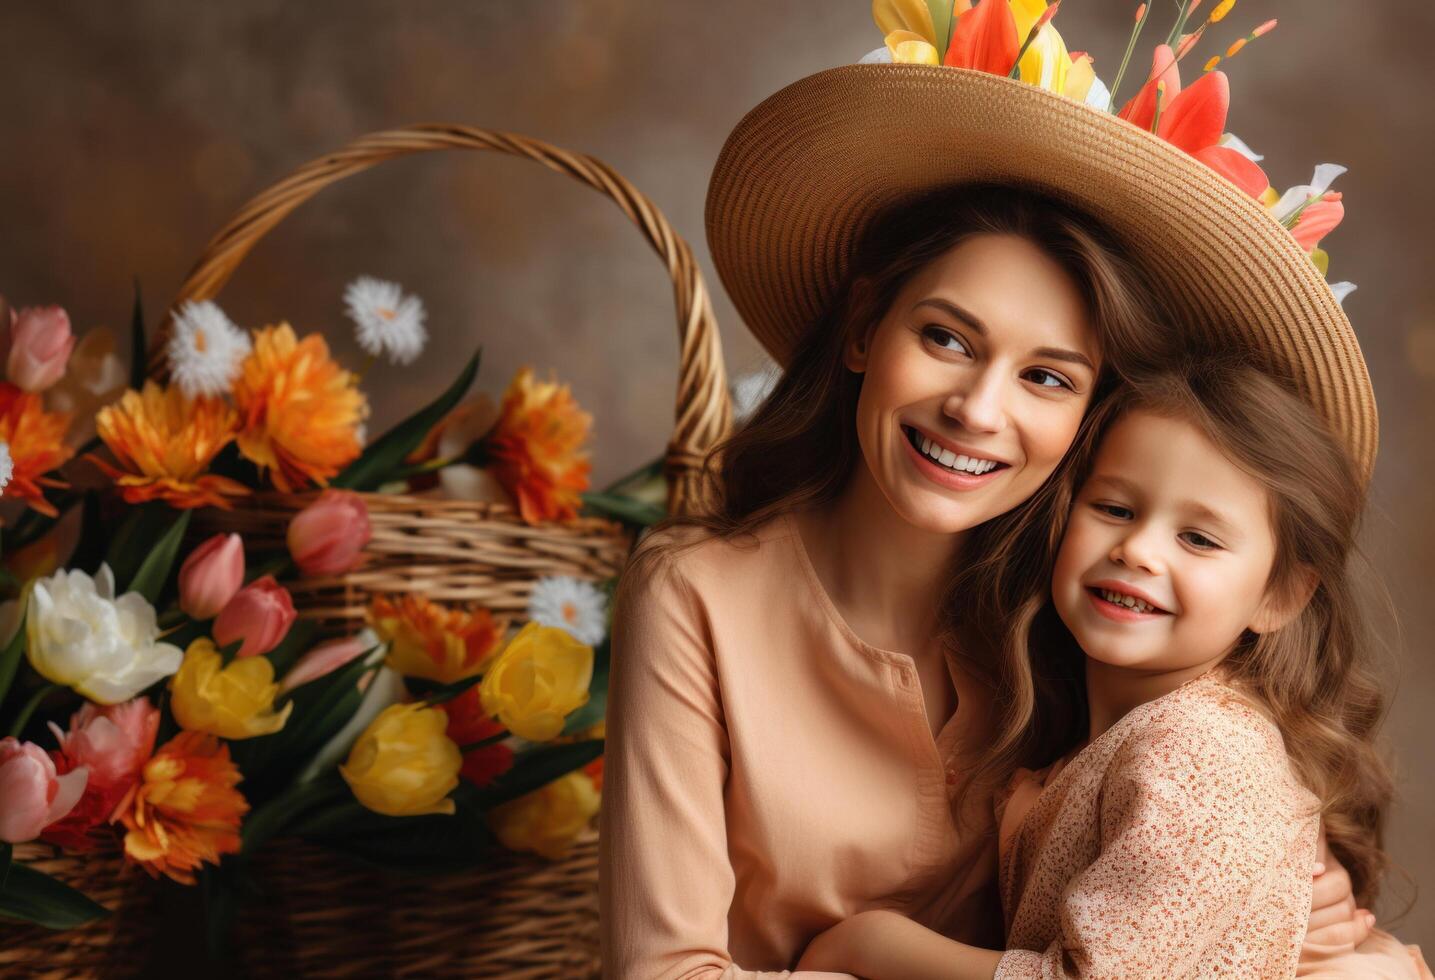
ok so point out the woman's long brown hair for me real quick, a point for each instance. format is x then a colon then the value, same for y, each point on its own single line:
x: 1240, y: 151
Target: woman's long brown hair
x: 800, y: 446
x: 1314, y: 674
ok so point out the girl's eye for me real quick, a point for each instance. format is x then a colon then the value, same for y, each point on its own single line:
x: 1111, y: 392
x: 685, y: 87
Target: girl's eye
x: 1048, y: 379
x: 1116, y: 511
x: 944, y: 339
x: 1199, y: 541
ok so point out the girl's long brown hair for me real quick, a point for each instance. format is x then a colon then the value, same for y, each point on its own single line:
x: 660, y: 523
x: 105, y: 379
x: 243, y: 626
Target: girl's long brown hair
x: 1314, y: 674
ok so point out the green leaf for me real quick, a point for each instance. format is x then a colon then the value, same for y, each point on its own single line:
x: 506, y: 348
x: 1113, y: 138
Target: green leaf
x: 321, y: 708
x: 133, y: 541
x: 642, y: 474
x: 439, y: 693
x: 538, y: 767
x: 139, y: 359
x: 625, y: 509
x: 34, y: 896
x: 387, y: 454
x: 428, y: 844
x: 10, y: 656
x: 154, y: 571
x: 941, y: 25
x: 293, y: 646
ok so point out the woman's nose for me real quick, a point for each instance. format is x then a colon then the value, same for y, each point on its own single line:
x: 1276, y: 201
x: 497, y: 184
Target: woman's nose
x: 982, y: 406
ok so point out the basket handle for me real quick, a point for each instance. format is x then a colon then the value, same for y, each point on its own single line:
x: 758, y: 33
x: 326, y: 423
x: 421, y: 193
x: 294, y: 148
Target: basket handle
x: 703, y: 415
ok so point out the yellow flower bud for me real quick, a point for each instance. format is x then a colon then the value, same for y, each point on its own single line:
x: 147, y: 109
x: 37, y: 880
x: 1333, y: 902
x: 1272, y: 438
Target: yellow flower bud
x: 547, y: 820
x: 234, y: 701
x: 404, y: 765
x: 537, y: 681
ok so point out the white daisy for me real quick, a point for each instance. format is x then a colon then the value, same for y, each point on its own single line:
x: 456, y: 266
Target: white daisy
x: 7, y: 466
x: 205, y: 349
x: 570, y: 604
x: 386, y: 321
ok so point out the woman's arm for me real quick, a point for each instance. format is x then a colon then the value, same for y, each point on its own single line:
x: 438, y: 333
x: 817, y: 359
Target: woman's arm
x: 665, y: 878
x: 883, y: 945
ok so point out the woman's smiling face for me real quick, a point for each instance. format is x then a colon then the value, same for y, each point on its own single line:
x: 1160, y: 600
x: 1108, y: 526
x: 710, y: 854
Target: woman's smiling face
x: 976, y: 381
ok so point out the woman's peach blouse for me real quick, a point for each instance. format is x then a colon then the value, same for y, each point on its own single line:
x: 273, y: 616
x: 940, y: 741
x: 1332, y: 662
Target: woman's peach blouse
x: 769, y: 774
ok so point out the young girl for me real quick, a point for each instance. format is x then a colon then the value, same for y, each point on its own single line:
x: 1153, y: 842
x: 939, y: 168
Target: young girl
x: 1203, y: 576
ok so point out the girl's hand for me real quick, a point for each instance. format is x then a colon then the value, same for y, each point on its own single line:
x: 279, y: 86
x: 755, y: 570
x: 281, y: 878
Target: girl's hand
x: 833, y: 950
x: 1336, y: 924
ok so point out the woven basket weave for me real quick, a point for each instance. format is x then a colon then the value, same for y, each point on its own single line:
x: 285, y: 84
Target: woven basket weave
x: 322, y: 915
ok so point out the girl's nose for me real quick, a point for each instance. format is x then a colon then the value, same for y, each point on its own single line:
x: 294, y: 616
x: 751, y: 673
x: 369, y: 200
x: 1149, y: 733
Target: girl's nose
x: 1139, y: 549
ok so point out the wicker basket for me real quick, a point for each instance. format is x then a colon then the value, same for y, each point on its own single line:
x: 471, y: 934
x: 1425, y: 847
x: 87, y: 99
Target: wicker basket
x: 323, y: 916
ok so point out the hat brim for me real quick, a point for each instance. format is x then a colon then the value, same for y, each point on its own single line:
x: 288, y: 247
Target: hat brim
x: 802, y: 174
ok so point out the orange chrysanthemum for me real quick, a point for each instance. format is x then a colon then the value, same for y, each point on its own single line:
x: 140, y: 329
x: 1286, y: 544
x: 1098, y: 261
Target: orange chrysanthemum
x: 431, y: 641
x: 184, y: 812
x: 300, y: 411
x: 36, y: 439
x: 163, y: 442
x: 536, y: 448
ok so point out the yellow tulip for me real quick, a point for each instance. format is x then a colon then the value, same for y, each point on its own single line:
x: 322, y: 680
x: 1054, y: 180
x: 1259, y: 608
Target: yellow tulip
x: 905, y: 15
x: 909, y: 49
x: 1046, y: 61
x: 537, y: 681
x: 233, y: 702
x: 1026, y: 13
x: 404, y: 765
x: 548, y: 819
x: 1079, y: 78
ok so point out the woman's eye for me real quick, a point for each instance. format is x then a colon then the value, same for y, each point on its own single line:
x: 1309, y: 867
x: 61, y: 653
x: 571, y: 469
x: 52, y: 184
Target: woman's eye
x: 944, y: 339
x: 1199, y: 541
x: 1116, y: 511
x: 1047, y: 379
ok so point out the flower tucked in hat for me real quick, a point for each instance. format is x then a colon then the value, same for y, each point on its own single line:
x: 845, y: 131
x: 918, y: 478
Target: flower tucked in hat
x: 1016, y: 38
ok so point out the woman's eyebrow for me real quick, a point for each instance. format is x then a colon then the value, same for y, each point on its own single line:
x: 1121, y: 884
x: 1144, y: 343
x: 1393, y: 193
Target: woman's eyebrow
x: 966, y: 316
x: 973, y: 321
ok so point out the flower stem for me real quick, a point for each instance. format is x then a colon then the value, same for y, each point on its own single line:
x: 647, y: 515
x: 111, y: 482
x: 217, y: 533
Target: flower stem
x: 29, y: 709
x: 1130, y: 46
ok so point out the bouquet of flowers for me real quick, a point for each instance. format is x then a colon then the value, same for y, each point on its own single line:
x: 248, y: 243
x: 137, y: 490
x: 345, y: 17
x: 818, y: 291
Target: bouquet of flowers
x: 160, y: 694
x: 1017, y: 39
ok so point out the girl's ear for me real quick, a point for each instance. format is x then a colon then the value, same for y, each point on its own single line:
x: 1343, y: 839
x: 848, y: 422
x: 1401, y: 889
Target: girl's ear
x: 1285, y: 601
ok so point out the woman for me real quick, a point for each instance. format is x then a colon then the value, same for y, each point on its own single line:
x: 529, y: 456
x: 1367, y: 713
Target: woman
x: 788, y: 727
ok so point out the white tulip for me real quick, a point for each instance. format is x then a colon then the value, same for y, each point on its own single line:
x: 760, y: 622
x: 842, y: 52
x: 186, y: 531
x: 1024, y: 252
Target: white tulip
x: 81, y: 636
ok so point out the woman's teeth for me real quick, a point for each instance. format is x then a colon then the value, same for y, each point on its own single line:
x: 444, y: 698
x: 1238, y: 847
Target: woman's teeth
x: 1129, y: 601
x: 952, y: 461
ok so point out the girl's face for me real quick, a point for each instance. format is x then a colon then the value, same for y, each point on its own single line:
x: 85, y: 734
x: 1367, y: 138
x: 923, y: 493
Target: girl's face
x: 976, y: 380
x: 1168, y: 552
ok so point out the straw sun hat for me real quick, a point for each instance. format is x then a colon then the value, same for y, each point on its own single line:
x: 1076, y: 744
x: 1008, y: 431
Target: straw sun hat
x: 805, y: 171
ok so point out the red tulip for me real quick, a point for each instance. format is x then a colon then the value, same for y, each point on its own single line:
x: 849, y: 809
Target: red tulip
x: 260, y: 614
x: 211, y: 575
x: 329, y: 536
x: 985, y: 39
x: 40, y: 346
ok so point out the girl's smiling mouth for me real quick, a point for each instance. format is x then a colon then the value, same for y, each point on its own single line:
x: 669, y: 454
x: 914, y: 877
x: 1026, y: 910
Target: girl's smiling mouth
x: 1123, y: 602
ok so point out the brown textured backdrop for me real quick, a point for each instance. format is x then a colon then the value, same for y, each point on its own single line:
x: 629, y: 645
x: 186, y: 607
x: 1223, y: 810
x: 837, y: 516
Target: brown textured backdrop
x: 129, y: 132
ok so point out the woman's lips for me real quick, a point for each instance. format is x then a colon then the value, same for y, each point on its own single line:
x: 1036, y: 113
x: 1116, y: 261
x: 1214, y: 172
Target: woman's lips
x: 945, y: 477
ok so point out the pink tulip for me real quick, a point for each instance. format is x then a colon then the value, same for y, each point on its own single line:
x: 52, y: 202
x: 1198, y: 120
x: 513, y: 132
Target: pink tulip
x: 32, y: 794
x: 327, y: 537
x: 40, y: 346
x: 112, y: 741
x: 260, y: 614
x: 211, y: 575
x: 323, y: 659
